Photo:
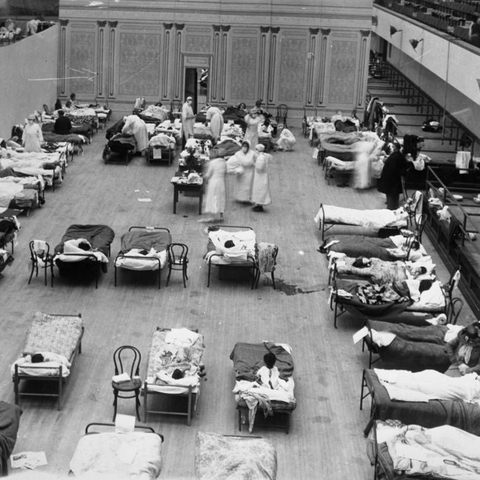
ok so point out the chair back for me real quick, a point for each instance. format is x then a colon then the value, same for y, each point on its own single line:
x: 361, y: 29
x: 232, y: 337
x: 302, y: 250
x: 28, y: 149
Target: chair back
x: 456, y: 306
x: 175, y: 106
x: 39, y: 251
x: 177, y: 253
x: 282, y: 112
x: 127, y: 359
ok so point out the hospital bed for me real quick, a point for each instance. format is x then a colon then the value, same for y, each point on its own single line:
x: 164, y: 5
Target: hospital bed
x: 174, y: 371
x: 58, y: 338
x: 329, y: 216
x: 415, y: 408
x: 401, y: 452
x: 240, y: 257
x: 73, y: 261
x: 143, y: 249
x: 230, y: 456
x: 278, y: 403
x: 103, y: 453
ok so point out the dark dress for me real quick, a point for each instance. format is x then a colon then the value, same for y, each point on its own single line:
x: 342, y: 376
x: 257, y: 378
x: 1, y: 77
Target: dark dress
x: 63, y: 126
x: 390, y: 182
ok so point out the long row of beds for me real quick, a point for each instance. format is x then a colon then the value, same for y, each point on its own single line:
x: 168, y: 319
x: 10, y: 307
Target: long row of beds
x: 423, y: 423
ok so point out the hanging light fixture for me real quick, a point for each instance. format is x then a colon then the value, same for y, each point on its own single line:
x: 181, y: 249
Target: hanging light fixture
x: 414, y: 43
x: 393, y: 30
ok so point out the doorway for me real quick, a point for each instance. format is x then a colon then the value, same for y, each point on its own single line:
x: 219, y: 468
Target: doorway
x: 196, y: 86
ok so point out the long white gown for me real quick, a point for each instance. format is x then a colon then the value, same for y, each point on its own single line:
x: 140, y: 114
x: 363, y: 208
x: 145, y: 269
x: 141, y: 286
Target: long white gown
x: 135, y: 126
x: 215, y: 195
x: 242, y: 165
x: 261, y: 188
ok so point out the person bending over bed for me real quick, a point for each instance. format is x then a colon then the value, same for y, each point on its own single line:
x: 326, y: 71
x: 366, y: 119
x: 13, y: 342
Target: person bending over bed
x: 464, y: 351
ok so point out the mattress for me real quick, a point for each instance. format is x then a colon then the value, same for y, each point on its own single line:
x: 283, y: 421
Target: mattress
x: 242, y: 252
x: 219, y: 457
x: 118, y: 456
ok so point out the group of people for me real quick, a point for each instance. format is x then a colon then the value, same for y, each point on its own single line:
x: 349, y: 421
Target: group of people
x: 251, y: 183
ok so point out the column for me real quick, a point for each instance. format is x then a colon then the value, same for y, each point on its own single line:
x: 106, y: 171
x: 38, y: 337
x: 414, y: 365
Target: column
x: 62, y: 60
x: 100, y: 58
x: 178, y: 64
x: 111, y: 73
x: 272, y: 65
x: 363, y: 67
x: 167, y: 37
x: 325, y: 32
x: 311, y: 59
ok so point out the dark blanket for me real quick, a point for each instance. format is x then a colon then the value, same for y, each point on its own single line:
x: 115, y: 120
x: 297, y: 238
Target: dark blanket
x: 122, y: 143
x: 248, y: 358
x: 8, y: 227
x: 414, y: 356
x: 384, y: 309
x: 145, y: 240
x: 100, y: 238
x: 361, y: 246
x: 227, y: 148
x: 9, y: 424
x: 433, y: 413
x: 50, y: 136
x: 426, y: 334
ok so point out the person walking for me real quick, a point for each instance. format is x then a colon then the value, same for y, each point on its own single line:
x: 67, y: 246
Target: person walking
x: 242, y: 165
x: 215, y: 188
x: 261, y: 187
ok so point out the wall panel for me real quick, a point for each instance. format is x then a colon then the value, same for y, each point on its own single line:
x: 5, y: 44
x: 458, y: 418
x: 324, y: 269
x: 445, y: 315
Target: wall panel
x: 139, y: 64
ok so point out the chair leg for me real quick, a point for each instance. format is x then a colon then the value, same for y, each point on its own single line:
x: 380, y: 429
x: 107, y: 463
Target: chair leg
x: 31, y: 274
x: 168, y: 276
x: 137, y: 404
x: 273, y: 281
x: 51, y: 275
x: 185, y: 278
x: 114, y: 405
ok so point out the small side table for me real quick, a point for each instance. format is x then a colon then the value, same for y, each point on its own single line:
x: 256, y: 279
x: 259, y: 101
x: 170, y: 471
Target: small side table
x: 193, y: 189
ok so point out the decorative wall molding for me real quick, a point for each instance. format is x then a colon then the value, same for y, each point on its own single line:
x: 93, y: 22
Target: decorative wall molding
x: 113, y: 24
x: 275, y: 29
x: 226, y: 28
x: 363, y: 71
x: 101, y: 23
x: 168, y: 26
x: 325, y: 31
x: 291, y: 81
x: 179, y: 26
x: 314, y: 31
x: 243, y: 58
x: 216, y: 28
x: 365, y: 33
x: 63, y: 22
x: 264, y: 29
x: 343, y: 61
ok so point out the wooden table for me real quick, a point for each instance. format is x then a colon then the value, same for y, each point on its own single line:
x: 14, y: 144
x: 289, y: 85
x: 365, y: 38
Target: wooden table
x: 193, y: 190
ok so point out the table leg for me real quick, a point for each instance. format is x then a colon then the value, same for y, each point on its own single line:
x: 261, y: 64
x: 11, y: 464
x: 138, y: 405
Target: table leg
x: 200, y: 199
x: 175, y: 198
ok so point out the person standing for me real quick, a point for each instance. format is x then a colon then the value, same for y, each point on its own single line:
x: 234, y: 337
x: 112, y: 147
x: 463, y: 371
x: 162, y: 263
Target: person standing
x: 215, y: 188
x: 260, y: 187
x: 242, y: 165
x: 188, y: 119
x: 390, y: 181
x: 135, y: 126
x: 252, y: 121
x: 215, y: 117
x: 32, y: 137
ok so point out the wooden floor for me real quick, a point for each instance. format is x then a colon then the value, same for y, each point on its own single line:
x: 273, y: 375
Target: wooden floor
x: 325, y: 440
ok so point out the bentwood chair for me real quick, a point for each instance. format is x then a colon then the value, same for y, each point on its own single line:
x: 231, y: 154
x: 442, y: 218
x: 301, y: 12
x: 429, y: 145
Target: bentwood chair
x: 40, y: 259
x: 126, y: 359
x: 176, y: 108
x: 282, y: 113
x: 177, y: 258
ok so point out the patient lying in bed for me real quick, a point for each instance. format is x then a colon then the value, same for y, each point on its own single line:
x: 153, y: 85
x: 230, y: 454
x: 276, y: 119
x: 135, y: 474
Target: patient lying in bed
x: 80, y: 246
x: 42, y: 364
x: 427, y: 385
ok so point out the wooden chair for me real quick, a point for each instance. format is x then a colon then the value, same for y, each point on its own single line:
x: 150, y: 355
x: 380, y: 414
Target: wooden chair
x: 176, y: 108
x: 282, y: 112
x: 127, y: 360
x: 177, y: 257
x: 40, y: 258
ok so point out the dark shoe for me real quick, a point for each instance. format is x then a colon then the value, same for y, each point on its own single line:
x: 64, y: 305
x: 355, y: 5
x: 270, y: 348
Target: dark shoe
x: 257, y: 208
